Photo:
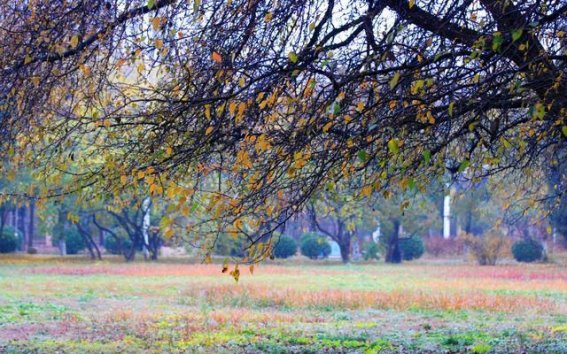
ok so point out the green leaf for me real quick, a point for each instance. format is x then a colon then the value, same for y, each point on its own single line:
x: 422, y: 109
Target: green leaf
x: 151, y: 4
x: 292, y: 57
x: 516, y: 34
x: 362, y: 156
x: 564, y: 130
x: 464, y: 165
x: 336, y: 108
x: 451, y: 108
x: 393, y: 146
x: 426, y: 156
x: 497, y: 41
x: 394, y: 81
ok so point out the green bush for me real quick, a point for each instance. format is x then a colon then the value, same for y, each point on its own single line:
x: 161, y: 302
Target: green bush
x: 8, y: 240
x: 117, y: 245
x: 74, y: 242
x: 315, y: 246
x: 227, y: 245
x: 285, y: 247
x: 371, y: 251
x: 411, y: 248
x: 527, y: 251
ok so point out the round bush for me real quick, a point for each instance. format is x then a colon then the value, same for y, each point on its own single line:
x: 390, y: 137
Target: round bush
x: 8, y: 241
x: 285, y: 247
x: 315, y: 246
x: 411, y: 248
x: 527, y: 250
x: 74, y: 242
x: 371, y: 250
x: 227, y: 245
x: 115, y: 245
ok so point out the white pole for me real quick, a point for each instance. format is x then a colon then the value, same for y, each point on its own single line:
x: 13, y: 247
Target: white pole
x: 146, y: 225
x: 447, y: 216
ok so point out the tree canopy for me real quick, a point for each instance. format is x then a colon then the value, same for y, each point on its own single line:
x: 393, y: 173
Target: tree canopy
x: 240, y: 110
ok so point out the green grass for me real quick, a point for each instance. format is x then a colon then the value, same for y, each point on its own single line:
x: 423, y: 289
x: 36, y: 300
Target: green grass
x: 75, y: 306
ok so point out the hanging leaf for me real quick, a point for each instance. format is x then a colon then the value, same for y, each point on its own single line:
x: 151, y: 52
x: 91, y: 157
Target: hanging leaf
x: 426, y: 156
x: 394, y: 81
x: 74, y: 41
x: 393, y: 146
x: 516, y: 34
x: 464, y: 165
x: 292, y: 57
x: 564, y: 130
x: 217, y: 58
x: 362, y: 156
x: 451, y: 108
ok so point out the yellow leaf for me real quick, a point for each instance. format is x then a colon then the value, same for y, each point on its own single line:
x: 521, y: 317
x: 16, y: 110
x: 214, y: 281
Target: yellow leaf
x: 411, y: 3
x: 268, y: 17
x: 74, y: 41
x: 27, y: 59
x: 208, y: 111
x: 156, y: 23
x: 209, y: 130
x: 327, y: 126
x: 360, y: 106
x: 242, y: 82
x: 159, y: 43
x: 366, y: 191
x: 232, y: 108
x: 123, y: 179
x: 141, y: 174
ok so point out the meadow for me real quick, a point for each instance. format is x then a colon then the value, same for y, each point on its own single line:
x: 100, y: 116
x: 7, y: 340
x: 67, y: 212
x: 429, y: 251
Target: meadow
x: 50, y: 305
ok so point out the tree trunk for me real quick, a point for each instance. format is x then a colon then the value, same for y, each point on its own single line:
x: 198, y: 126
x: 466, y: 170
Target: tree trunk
x: 393, y: 253
x: 62, y: 247
x: 345, y: 250
x: 31, y: 228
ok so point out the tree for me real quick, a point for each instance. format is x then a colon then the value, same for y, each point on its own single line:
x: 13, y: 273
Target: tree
x: 279, y: 98
x: 402, y: 216
x: 336, y: 213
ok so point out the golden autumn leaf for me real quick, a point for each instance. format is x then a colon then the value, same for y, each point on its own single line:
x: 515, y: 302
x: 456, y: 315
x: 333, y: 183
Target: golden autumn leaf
x: 216, y: 57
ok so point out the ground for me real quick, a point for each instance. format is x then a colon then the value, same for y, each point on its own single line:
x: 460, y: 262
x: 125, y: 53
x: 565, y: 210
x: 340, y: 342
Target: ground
x: 48, y: 305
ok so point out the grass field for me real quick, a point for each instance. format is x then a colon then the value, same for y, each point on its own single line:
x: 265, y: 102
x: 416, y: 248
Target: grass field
x: 75, y: 306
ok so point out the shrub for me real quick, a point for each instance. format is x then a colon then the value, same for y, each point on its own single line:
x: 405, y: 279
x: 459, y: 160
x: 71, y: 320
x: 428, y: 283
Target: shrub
x: 315, y: 246
x: 74, y: 242
x: 411, y: 248
x: 8, y: 240
x: 117, y: 245
x: 487, y: 249
x: 227, y: 245
x: 371, y: 250
x: 527, y: 250
x: 439, y: 246
x: 285, y: 247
